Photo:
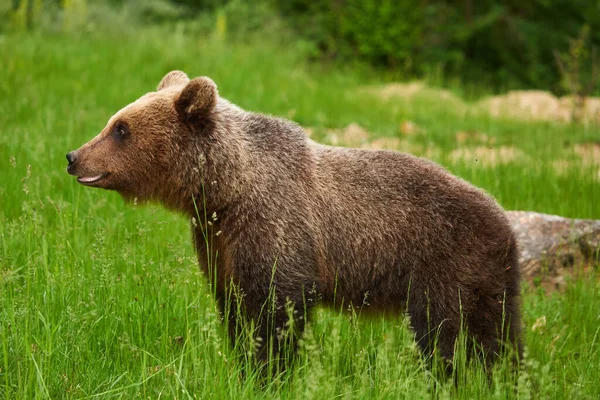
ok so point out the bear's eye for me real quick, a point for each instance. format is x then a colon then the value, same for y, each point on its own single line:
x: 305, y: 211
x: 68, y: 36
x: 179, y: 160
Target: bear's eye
x: 120, y: 130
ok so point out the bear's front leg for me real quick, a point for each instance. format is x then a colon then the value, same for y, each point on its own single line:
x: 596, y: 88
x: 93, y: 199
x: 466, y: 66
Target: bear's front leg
x: 278, y: 317
x: 272, y: 309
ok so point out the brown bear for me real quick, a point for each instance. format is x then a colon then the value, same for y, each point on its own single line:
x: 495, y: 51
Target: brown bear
x: 281, y: 223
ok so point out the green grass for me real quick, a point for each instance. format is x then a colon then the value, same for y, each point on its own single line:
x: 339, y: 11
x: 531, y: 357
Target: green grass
x: 101, y: 299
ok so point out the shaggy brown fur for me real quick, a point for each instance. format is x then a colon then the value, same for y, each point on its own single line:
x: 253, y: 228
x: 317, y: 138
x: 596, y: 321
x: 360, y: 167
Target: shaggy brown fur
x: 303, y: 221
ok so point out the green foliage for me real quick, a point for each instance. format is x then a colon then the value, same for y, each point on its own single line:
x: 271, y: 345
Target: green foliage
x: 504, y: 44
x: 383, y: 32
x: 579, y: 71
x: 386, y: 32
x: 497, y: 42
x: 246, y: 20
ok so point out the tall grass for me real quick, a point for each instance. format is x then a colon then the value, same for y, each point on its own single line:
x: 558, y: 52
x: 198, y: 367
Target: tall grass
x: 99, y: 299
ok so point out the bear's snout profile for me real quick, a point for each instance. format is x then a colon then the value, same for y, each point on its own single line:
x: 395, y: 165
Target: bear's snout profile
x: 71, y: 157
x: 297, y: 223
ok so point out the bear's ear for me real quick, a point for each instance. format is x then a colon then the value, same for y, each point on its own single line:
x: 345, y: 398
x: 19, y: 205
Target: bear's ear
x: 197, y: 99
x: 173, y: 78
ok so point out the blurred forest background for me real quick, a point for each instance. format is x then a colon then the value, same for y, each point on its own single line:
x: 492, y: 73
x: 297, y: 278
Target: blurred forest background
x: 510, y: 44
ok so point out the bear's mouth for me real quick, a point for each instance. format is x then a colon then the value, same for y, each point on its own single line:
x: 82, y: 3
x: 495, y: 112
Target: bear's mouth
x: 90, y: 180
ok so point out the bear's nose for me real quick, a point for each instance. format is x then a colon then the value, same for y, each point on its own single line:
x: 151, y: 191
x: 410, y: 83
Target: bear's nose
x: 71, y: 157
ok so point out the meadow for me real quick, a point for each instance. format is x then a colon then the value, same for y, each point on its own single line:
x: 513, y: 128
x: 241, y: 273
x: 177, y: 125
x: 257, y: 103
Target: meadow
x: 99, y: 299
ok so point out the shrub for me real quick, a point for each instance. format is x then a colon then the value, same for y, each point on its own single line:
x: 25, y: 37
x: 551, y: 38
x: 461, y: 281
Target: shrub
x: 504, y: 43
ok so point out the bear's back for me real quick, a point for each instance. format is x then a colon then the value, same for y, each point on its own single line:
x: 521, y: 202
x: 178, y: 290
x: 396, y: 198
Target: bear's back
x: 383, y: 213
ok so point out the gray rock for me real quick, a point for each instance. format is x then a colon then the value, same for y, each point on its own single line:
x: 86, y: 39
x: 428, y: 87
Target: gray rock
x: 552, y: 246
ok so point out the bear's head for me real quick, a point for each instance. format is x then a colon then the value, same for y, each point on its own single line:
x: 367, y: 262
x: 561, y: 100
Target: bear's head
x: 143, y: 152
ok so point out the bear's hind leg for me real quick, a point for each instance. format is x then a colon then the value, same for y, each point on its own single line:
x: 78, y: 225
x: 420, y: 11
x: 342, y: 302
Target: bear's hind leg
x: 494, y: 326
x: 436, y: 327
